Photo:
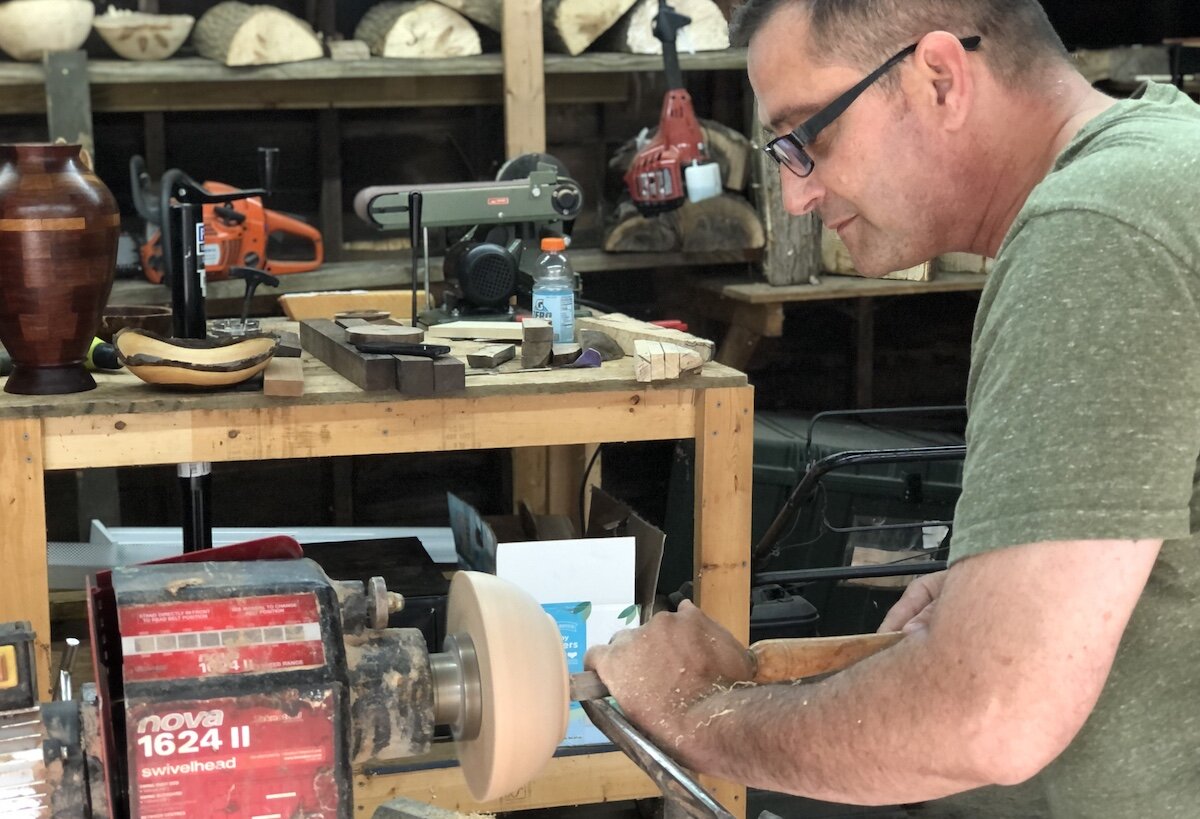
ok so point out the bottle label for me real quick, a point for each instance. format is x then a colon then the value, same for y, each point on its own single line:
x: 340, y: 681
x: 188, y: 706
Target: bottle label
x: 559, y: 310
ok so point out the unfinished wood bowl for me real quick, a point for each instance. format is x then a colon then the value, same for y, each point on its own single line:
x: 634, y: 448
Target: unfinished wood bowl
x: 30, y: 28
x: 193, y: 363
x: 135, y: 35
x: 523, y: 681
x: 116, y: 317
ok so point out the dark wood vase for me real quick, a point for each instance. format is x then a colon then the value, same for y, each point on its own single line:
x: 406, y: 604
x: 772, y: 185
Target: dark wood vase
x: 58, y: 249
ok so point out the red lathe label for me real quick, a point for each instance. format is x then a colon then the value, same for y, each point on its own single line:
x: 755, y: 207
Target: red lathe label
x: 204, y: 638
x: 252, y: 757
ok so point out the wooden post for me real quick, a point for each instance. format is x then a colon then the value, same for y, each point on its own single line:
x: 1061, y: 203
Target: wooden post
x: 329, y: 143
x: 792, y: 254
x: 69, y: 99
x: 547, y: 478
x: 724, y: 470
x: 23, y: 545
x: 864, y: 353
x: 154, y: 137
x: 524, y: 78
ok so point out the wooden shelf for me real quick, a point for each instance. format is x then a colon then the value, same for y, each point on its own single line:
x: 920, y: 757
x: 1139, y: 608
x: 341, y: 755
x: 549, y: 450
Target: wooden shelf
x: 197, y: 84
x: 838, y: 287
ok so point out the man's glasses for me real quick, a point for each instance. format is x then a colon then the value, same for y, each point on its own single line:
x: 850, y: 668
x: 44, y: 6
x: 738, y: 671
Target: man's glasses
x: 788, y: 150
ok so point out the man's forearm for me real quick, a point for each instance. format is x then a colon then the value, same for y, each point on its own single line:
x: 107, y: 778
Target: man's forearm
x: 886, y: 731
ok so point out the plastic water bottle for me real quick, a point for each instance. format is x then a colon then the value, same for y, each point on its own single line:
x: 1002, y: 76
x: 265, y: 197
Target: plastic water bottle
x: 554, y: 290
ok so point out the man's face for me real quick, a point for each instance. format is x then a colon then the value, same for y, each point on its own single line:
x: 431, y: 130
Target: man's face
x: 873, y: 177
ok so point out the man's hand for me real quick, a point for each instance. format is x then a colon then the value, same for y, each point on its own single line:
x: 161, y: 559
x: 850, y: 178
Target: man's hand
x: 914, y: 608
x: 658, y: 672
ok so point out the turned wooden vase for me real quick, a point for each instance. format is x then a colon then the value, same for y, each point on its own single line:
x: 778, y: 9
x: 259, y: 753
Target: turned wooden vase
x: 58, y: 249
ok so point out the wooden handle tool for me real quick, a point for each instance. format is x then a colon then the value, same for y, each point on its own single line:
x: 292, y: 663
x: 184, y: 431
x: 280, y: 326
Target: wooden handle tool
x: 784, y: 660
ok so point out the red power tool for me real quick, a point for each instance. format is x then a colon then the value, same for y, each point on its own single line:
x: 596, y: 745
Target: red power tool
x: 674, y: 164
x: 235, y: 233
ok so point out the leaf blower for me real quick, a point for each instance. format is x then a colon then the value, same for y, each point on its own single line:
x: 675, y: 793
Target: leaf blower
x: 674, y: 164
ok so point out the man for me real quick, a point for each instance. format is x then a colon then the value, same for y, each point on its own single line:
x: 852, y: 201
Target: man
x: 1065, y: 635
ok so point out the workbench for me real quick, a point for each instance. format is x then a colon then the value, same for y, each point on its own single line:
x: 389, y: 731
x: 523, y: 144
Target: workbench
x: 127, y: 423
x: 754, y: 310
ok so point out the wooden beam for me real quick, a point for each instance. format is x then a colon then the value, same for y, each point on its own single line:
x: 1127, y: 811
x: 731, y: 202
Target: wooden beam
x: 68, y: 99
x: 524, y: 81
x: 792, y: 254
x: 724, y: 469
x: 23, y: 546
x: 329, y: 146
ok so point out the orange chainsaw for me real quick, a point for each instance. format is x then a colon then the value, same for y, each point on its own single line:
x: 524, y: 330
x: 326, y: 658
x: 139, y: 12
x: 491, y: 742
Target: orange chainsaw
x: 236, y: 232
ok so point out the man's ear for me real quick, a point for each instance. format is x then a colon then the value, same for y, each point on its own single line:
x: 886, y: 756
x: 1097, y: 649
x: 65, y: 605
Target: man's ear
x: 944, y: 78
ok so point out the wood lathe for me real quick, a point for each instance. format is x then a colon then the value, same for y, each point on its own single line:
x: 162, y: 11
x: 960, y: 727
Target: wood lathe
x: 244, y: 682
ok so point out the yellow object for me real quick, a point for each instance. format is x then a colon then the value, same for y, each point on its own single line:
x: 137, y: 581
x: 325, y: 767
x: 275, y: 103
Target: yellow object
x: 8, y: 667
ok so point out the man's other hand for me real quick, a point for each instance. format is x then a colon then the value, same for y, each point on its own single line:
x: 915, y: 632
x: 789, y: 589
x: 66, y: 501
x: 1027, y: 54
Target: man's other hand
x: 914, y: 608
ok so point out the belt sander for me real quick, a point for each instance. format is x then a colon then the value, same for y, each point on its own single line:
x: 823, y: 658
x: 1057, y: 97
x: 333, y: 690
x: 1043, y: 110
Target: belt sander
x: 234, y: 687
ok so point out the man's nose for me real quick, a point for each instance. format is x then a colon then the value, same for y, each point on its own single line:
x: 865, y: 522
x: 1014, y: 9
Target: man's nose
x: 800, y: 196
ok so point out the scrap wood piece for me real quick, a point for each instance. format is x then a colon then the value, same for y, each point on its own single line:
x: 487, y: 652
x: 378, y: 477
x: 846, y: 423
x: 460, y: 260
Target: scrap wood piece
x: 384, y: 334
x: 236, y: 33
x: 349, y: 50
x: 417, y: 28
x: 283, y: 377
x: 490, y: 330
x: 573, y: 25
x: 708, y: 30
x: 663, y: 361
x: 449, y: 374
x: 491, y: 355
x: 625, y: 331
x: 725, y: 222
x: 414, y: 374
x: 327, y: 342
x: 563, y: 354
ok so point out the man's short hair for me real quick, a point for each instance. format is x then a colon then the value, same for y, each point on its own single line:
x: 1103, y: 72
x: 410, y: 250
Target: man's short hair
x: 1018, y: 40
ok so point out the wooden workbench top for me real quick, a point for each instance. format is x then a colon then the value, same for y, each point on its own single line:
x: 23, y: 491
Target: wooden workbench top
x: 124, y: 393
x: 838, y: 287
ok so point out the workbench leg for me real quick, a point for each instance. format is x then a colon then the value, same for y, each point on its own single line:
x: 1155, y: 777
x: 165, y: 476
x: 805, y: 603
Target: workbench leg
x: 24, y: 583
x: 724, y: 472
x: 864, y: 353
x: 738, y: 347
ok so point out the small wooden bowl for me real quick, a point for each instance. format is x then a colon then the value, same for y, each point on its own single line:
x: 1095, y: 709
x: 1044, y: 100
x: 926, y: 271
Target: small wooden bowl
x: 116, y: 317
x: 193, y: 363
x: 135, y: 35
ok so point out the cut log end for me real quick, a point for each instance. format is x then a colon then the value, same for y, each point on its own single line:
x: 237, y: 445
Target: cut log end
x: 238, y: 34
x: 422, y: 29
x: 573, y: 25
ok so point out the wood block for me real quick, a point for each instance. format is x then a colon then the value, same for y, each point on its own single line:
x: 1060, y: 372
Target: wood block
x: 661, y: 361
x: 535, y: 354
x: 449, y: 374
x: 414, y: 374
x: 348, y: 50
x: 327, y: 342
x: 284, y: 377
x: 327, y: 304
x: 561, y: 354
x: 536, y: 330
x: 491, y: 330
x: 289, y: 345
x: 492, y: 355
x: 625, y: 331
x: 384, y: 334
x: 346, y: 322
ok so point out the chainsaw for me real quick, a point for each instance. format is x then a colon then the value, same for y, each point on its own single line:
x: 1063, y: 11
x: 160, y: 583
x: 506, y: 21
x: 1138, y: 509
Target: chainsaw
x: 236, y: 232
x: 674, y: 165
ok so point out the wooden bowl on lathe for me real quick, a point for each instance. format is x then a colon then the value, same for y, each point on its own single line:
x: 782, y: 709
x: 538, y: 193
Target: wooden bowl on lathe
x: 193, y: 363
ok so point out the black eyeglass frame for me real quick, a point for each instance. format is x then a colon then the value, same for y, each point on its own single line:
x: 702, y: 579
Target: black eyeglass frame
x: 788, y: 149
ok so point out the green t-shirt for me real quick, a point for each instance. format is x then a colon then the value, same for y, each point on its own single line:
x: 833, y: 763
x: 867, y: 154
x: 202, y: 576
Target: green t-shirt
x: 1084, y: 400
